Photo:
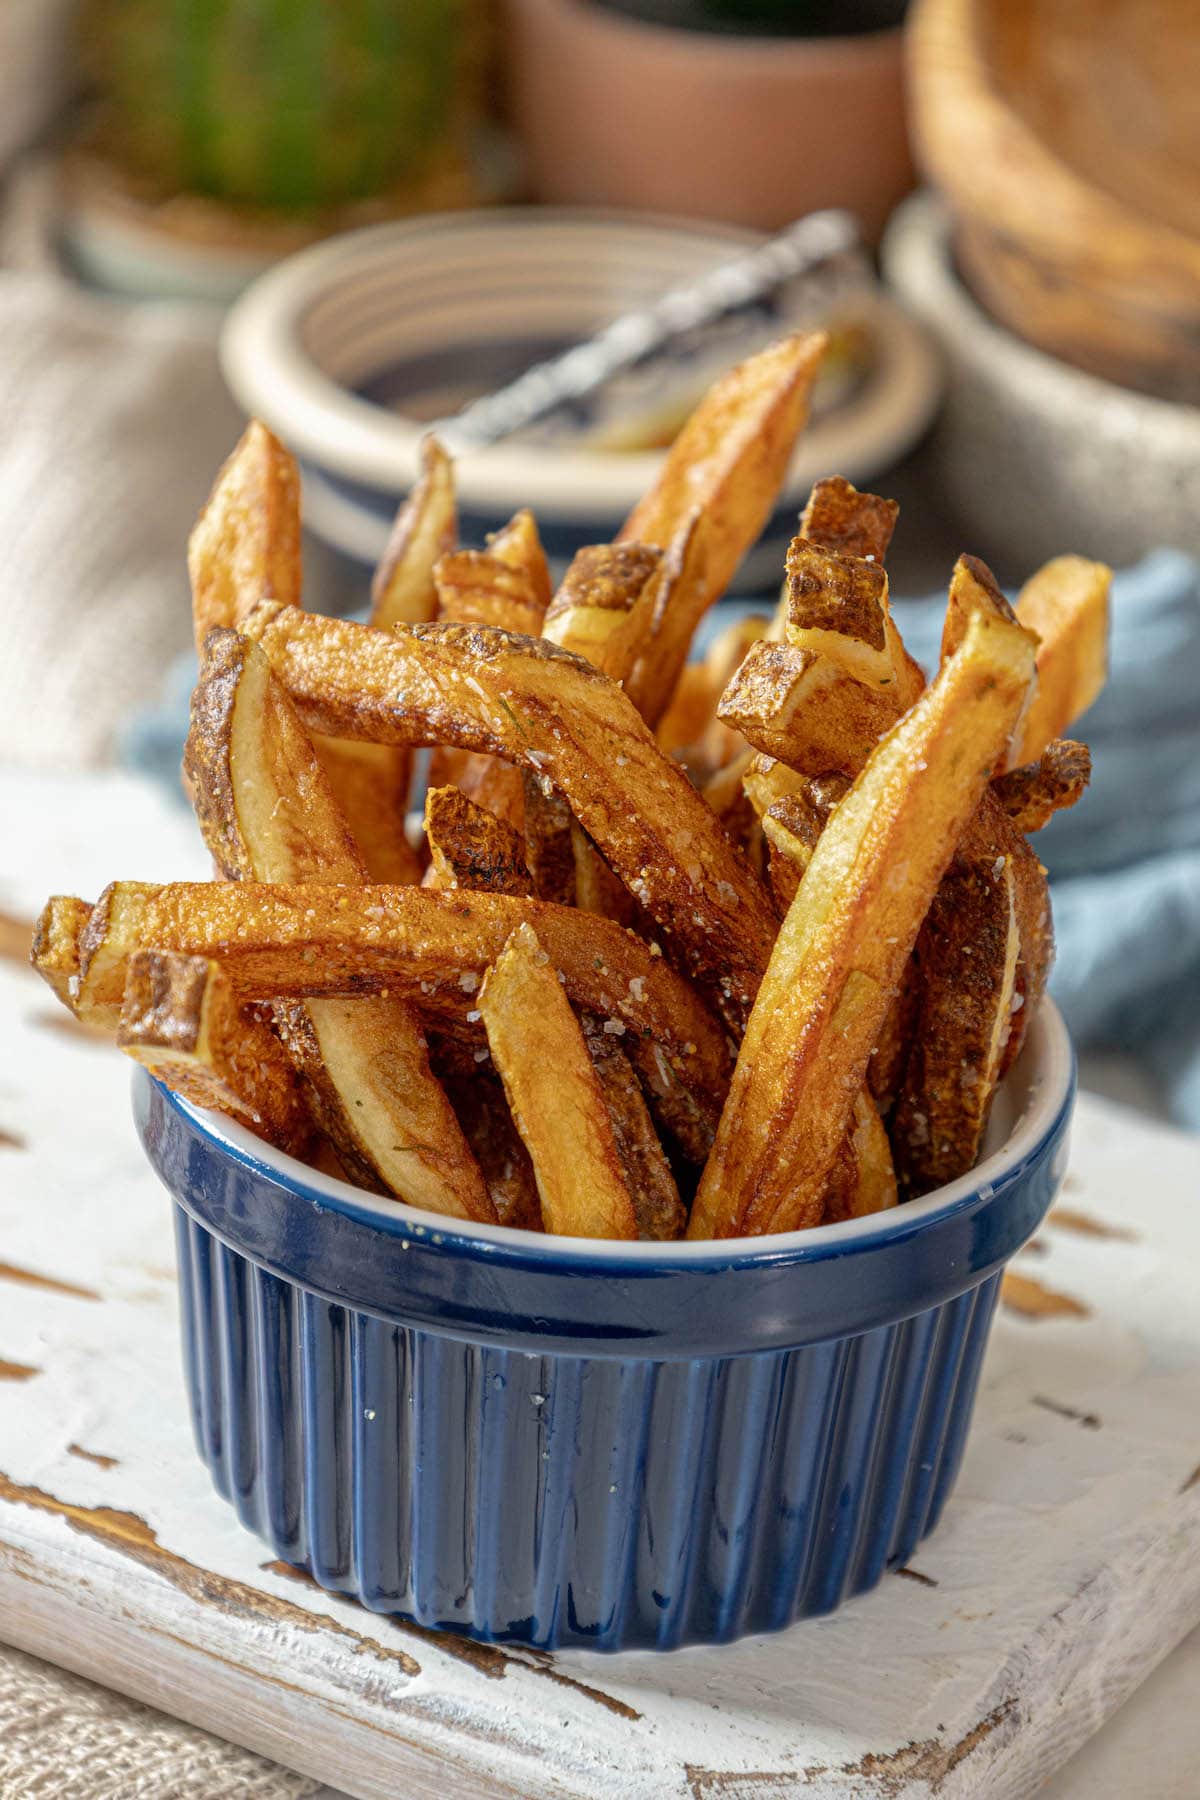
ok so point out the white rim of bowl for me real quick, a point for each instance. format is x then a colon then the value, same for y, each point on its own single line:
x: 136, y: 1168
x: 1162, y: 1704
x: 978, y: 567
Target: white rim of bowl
x: 1050, y: 1078
x: 273, y: 378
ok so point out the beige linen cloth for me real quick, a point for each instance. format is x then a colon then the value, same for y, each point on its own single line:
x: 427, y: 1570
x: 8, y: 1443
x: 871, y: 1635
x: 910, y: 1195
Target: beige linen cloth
x: 113, y: 421
x: 61, y: 1738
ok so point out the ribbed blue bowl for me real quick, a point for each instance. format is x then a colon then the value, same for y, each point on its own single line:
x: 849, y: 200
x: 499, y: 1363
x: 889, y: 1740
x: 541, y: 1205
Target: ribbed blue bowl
x: 560, y: 1442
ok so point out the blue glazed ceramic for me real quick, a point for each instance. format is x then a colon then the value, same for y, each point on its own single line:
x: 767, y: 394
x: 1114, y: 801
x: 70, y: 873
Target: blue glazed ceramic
x: 559, y: 1442
x: 350, y: 348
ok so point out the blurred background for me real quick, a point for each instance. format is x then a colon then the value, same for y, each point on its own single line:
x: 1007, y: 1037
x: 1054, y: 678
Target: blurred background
x: 350, y: 218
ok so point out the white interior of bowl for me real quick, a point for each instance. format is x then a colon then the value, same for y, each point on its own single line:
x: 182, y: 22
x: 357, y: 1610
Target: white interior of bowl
x: 331, y: 317
x: 1025, y: 1108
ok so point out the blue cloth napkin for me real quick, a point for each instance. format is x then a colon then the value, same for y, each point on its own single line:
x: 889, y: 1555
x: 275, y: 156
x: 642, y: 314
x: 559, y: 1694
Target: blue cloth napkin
x: 1124, y: 864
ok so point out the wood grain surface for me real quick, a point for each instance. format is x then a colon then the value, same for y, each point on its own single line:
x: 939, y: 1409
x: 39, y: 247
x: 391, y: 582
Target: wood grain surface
x: 1067, y: 1566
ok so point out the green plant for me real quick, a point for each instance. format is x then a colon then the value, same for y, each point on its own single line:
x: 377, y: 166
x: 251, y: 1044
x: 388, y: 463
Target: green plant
x: 296, y: 105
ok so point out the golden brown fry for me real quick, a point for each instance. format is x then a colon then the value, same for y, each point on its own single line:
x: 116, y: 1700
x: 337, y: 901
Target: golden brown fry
x: 1066, y: 603
x: 549, y: 846
x: 604, y: 606
x: 553, y: 1093
x: 475, y: 587
x: 973, y: 588
x: 792, y: 826
x: 966, y: 954
x: 429, y: 948
x: 864, y: 1179
x: 471, y: 848
x: 476, y: 1094
x: 803, y: 709
x: 426, y: 528
x: 691, y: 720
x: 507, y: 586
x: 370, y: 783
x: 597, y: 889
x: 552, y: 712
x: 889, y: 1058
x: 717, y: 487
x: 181, y: 1020
x: 1033, y: 794
x: 519, y: 545
x: 245, y: 546
x: 837, y: 608
x: 839, y: 518
x: 841, y: 950
x: 658, y: 1211
x: 692, y: 709
x: 55, y: 950
x: 602, y: 611
x: 268, y: 814
x: 374, y: 795
x: 854, y: 530
x: 1035, y: 925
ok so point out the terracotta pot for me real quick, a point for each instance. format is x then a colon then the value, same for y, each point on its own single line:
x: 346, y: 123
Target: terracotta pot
x: 614, y: 112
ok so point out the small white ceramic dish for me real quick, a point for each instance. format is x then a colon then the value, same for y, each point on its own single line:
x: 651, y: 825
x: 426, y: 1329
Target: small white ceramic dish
x: 348, y: 349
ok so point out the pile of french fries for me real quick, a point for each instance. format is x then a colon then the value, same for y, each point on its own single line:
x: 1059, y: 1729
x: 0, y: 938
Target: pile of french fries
x: 685, y: 948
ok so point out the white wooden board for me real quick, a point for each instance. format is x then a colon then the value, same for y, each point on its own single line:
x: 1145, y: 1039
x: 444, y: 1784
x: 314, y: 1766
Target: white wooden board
x: 1067, y: 1566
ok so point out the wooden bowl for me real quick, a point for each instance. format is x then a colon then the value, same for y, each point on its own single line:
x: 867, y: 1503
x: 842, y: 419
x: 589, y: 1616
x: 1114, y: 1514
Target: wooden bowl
x: 1066, y: 136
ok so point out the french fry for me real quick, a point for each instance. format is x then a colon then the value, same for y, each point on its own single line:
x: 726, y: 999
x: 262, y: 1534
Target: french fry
x: 55, y: 950
x: 245, y: 546
x: 864, y: 1179
x: 802, y: 709
x: 181, y: 1020
x: 519, y: 545
x: 428, y: 948
x: 1035, y: 924
x: 477, y: 587
x: 842, y: 948
x: 506, y: 586
x: 602, y: 611
x: 839, y: 518
x: 967, y: 957
x: 658, y: 1211
x: 1066, y: 604
x: 426, y: 529
x: 403, y: 591
x: 692, y: 709
x: 792, y: 827
x: 691, y: 721
x: 549, y: 844
x: 535, y: 704
x: 717, y: 487
x: 597, y: 889
x: 471, y: 848
x: 837, y: 607
x: 475, y: 1092
x: 855, y: 529
x: 657, y: 1206
x: 370, y: 782
x: 267, y: 813
x: 973, y: 588
x: 553, y: 1093
x: 604, y: 606
x: 1031, y: 795
x: 889, y: 1057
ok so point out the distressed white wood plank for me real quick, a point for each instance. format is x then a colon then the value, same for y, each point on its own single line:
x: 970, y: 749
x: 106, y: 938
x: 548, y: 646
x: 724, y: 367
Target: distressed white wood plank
x: 1068, y: 1563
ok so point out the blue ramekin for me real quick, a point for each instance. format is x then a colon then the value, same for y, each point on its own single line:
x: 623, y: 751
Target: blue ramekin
x: 565, y: 1443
